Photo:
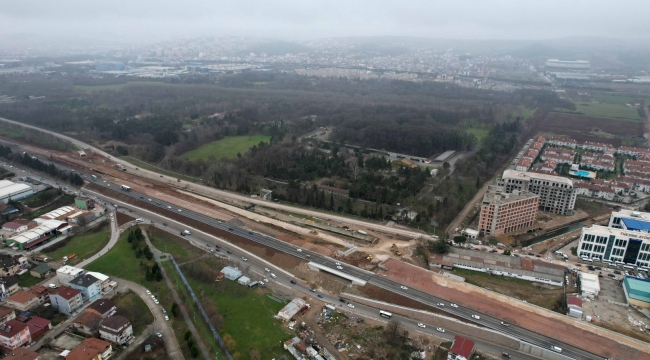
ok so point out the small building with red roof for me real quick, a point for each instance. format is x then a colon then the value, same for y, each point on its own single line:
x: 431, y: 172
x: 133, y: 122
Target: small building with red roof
x: 461, y: 349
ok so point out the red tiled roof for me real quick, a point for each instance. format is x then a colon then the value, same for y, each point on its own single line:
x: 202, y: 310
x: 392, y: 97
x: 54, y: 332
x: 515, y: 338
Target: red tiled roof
x: 67, y: 293
x: 39, y: 322
x: 462, y: 346
x: 574, y: 300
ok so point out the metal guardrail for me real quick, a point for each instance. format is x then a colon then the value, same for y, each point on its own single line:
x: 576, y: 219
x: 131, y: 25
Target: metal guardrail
x: 203, y: 313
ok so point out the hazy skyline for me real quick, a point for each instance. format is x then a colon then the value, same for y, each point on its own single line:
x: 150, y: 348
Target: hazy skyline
x: 146, y: 20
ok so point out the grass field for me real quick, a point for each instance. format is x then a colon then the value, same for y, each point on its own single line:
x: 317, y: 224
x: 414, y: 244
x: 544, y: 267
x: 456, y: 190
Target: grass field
x: 64, y: 200
x: 181, y: 249
x: 480, y: 133
x: 12, y: 133
x: 84, y: 245
x: 27, y: 280
x: 517, y: 288
x: 41, y: 198
x: 527, y: 113
x: 616, y: 99
x: 132, y: 307
x: 247, y: 317
x: 616, y: 111
x: 227, y: 148
x: 147, y: 166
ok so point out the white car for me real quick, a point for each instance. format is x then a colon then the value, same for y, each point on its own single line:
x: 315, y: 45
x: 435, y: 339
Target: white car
x: 267, y: 270
x: 404, y: 287
x: 340, y: 267
x: 476, y: 317
x: 299, y: 250
x: 421, y: 325
x: 155, y: 301
x: 179, y: 210
x: 153, y: 296
x: 453, y: 305
x: 159, y: 334
x: 440, y: 329
x: 266, y: 280
x: 338, y: 264
x: 148, y: 292
x: 166, y: 318
x: 440, y: 304
x: 351, y: 306
x: 243, y: 258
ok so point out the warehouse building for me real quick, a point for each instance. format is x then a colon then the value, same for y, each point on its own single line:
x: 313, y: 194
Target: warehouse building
x: 637, y: 291
x: 291, y: 309
x: 503, y: 212
x: 41, y: 233
x: 61, y: 214
x: 556, y: 194
x: 12, y: 191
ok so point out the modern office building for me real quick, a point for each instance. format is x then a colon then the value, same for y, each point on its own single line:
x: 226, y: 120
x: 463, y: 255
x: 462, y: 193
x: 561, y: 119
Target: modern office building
x: 618, y: 246
x: 556, y: 194
x: 503, y: 212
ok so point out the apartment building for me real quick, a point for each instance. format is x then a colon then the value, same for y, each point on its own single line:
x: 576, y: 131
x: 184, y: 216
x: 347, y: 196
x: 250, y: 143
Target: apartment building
x: 66, y: 300
x: 556, y: 194
x: 503, y: 212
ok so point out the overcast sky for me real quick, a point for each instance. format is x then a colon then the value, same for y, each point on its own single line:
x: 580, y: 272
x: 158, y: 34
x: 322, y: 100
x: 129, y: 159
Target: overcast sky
x: 147, y: 20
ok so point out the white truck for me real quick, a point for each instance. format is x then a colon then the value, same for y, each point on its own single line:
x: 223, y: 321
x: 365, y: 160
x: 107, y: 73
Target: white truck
x: 330, y: 307
x: 362, y: 232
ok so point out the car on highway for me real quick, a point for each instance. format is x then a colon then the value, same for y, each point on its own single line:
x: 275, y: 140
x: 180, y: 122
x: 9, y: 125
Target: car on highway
x: 293, y: 282
x: 164, y: 224
x: 250, y: 232
x: 299, y: 250
x: 179, y: 210
x: 312, y: 290
x: 169, y: 207
x: 342, y: 300
x: 340, y: 267
x: 440, y: 329
x: 440, y: 304
x: 229, y: 252
x: 244, y: 258
x: 338, y: 264
x: 557, y: 349
x: 453, y: 305
x: 421, y: 325
x: 320, y: 296
x: 403, y: 287
x: 505, y: 323
x: 505, y: 355
x: 476, y: 317
x: 351, y: 306
x: 208, y: 245
x: 267, y: 270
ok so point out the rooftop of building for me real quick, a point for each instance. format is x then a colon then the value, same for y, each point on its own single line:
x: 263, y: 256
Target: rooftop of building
x: 638, y: 289
x: 21, y: 297
x: 102, y: 306
x: 115, y: 322
x: 22, y: 354
x: 12, y: 189
x: 5, y: 310
x: 42, y: 268
x: 11, y: 328
x: 68, y: 270
x: 66, y: 292
x: 524, y: 175
x: 462, y: 346
x: 88, y: 319
x: 497, y: 195
x: 39, y: 322
x: 84, y: 280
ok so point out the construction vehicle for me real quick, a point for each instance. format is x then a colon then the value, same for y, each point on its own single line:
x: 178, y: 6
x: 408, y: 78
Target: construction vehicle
x: 314, y: 232
x: 369, y: 257
x: 395, y: 250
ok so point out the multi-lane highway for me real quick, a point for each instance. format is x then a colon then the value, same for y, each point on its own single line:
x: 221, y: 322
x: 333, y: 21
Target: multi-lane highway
x: 390, y: 285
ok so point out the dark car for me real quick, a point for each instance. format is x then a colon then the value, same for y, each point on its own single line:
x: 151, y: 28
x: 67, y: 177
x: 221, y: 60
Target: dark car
x: 611, y: 275
x: 231, y: 229
x: 164, y: 224
x: 342, y: 300
x: 320, y: 296
x: 293, y: 281
x: 130, y: 210
x: 229, y: 252
x: 597, y: 268
x: 617, y: 272
x: 217, y: 250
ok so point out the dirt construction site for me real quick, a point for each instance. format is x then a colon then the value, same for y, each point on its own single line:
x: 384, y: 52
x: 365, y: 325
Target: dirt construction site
x: 390, y: 252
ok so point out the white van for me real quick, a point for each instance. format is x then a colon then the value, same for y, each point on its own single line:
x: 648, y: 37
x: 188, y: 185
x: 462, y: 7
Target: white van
x: 557, y: 349
x: 273, y: 275
x: 139, y: 220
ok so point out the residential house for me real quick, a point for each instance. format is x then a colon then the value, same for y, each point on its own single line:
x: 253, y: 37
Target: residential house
x: 8, y: 286
x: 116, y: 329
x: 22, y: 300
x: 22, y: 354
x: 8, y: 266
x: 523, y: 164
x: 87, y: 323
x: 41, y: 292
x: 66, y: 273
x: 14, y: 334
x: 66, y: 300
x: 6, y: 209
x: 90, y: 286
x: 105, y: 280
x: 14, y: 227
x: 594, y: 190
x: 6, y: 314
x: 461, y: 349
x: 103, y: 308
x: 595, y: 146
x: 549, y: 165
x: 38, y: 326
x: 566, y: 142
x: 631, y: 151
x: 636, y: 184
x: 91, y: 349
x: 41, y: 271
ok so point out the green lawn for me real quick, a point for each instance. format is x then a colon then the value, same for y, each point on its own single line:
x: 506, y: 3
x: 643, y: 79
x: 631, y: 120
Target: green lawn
x: 617, y: 99
x: 480, y: 133
x: 27, y: 280
x: 132, y: 307
x: 527, y: 113
x: 84, y: 245
x: 605, y: 110
x: 247, y: 317
x: 12, y: 133
x: 227, y: 148
x: 41, y: 198
x: 64, y: 200
x: 179, y: 247
x: 147, y: 166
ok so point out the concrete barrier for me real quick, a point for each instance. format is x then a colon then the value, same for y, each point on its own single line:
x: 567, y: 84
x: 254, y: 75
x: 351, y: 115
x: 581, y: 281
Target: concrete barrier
x: 541, y: 352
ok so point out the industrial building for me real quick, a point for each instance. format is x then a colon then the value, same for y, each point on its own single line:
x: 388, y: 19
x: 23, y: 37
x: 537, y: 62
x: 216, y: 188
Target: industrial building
x: 231, y: 273
x: 589, y: 284
x: 41, y: 233
x: 637, y: 291
x: 10, y: 191
x: 556, y: 194
x: 503, y: 212
x: 291, y: 309
x: 574, y: 304
x: 568, y: 64
x: 61, y: 213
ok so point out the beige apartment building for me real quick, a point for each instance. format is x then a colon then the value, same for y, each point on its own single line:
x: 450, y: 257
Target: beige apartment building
x: 503, y: 212
x: 556, y: 194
